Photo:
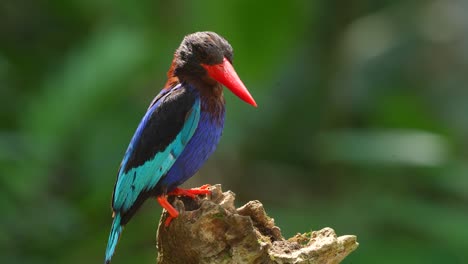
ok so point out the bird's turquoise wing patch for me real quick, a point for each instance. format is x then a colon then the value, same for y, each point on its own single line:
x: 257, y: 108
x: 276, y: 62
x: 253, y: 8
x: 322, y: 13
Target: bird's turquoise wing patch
x: 132, y: 183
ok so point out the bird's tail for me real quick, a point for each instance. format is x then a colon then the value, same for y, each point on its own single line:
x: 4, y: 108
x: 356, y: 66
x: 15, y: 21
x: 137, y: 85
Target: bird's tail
x: 114, y: 235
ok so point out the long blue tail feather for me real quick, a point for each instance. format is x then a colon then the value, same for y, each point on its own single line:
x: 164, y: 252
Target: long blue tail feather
x: 114, y: 235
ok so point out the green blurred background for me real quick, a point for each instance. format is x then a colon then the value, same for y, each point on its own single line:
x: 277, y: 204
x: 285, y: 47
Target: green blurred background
x: 362, y: 121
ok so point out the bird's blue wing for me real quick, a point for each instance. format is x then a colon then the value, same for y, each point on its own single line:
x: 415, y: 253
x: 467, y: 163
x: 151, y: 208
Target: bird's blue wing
x: 161, y: 136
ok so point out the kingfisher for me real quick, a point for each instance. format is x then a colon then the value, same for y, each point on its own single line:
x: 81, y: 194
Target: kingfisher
x: 180, y: 130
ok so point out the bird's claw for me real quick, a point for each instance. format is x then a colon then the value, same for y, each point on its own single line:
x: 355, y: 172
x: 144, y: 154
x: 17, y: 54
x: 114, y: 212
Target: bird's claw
x: 192, y: 193
x: 168, y: 220
x: 173, y: 213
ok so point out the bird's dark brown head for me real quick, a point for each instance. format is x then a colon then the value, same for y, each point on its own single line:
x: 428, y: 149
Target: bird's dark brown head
x: 199, y: 48
x: 205, y: 59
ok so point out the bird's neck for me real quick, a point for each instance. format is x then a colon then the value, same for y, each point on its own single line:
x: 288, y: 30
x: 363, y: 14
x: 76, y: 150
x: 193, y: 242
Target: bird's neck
x: 172, y: 79
x: 212, y: 99
x: 211, y: 92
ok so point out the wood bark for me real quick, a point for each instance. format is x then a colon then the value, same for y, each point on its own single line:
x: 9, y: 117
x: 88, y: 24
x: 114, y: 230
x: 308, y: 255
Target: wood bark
x: 212, y: 230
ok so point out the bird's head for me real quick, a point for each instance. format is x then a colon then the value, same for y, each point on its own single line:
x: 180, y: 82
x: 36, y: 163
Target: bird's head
x: 206, y: 56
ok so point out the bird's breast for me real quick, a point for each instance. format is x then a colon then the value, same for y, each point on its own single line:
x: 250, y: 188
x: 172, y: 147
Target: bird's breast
x: 199, y: 148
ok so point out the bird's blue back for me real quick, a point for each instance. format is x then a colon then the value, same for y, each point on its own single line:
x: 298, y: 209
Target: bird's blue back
x: 180, y: 160
x: 134, y: 181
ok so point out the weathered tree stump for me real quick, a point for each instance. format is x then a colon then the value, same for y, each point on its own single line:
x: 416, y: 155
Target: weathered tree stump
x: 212, y: 230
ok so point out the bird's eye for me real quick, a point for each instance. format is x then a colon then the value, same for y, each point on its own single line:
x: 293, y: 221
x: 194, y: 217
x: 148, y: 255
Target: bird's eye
x: 229, y: 56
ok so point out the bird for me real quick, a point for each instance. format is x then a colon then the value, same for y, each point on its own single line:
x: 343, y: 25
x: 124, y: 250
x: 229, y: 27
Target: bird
x: 180, y: 130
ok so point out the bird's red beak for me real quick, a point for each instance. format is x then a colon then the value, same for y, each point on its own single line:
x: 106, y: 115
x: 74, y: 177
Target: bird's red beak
x: 225, y: 74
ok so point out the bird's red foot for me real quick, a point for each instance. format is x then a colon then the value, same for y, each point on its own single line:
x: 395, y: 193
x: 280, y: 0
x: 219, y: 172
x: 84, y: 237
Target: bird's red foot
x: 162, y: 200
x: 192, y: 193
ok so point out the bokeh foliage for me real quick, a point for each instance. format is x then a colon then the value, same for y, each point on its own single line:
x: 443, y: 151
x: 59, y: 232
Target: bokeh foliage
x: 361, y: 123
